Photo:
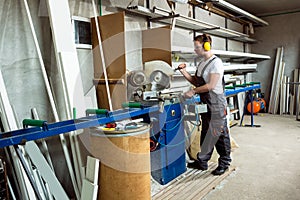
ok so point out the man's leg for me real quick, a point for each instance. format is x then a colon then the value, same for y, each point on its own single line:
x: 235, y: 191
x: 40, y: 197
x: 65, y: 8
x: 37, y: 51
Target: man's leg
x: 223, y: 148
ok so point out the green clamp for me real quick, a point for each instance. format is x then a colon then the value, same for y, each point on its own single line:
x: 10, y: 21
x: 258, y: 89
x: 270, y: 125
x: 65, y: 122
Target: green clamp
x: 34, y: 122
x: 132, y: 105
x: 96, y: 111
x: 255, y: 83
x: 242, y: 85
x: 229, y: 87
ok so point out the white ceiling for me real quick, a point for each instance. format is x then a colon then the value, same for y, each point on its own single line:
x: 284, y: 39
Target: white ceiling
x: 262, y: 7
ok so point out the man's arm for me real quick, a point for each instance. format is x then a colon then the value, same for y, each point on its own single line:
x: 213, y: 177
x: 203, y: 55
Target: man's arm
x: 213, y: 80
x: 188, y: 76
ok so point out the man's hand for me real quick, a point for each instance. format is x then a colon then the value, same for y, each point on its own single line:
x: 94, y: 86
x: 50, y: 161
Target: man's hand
x: 181, y: 67
x: 189, y: 93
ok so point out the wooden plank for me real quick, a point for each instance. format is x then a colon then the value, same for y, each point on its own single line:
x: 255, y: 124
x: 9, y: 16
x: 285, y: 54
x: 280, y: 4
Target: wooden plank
x: 118, y: 92
x: 213, y: 184
x: 113, y: 42
x: 103, y: 62
x: 199, y: 182
x: 156, y: 44
x: 110, y: 81
x: 171, y: 186
x: 114, y: 52
x: 193, y: 185
x: 185, y: 185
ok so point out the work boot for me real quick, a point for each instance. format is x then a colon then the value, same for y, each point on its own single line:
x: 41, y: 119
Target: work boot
x: 219, y: 171
x: 196, y: 165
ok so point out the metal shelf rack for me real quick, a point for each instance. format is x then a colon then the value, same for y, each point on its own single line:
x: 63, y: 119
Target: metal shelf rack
x: 226, y: 56
x: 230, y: 11
x: 188, y: 23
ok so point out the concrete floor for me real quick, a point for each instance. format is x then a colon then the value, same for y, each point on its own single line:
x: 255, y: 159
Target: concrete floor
x: 267, y: 161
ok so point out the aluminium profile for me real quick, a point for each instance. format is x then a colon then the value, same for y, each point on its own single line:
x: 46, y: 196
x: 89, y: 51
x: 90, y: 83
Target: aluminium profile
x: 243, y: 13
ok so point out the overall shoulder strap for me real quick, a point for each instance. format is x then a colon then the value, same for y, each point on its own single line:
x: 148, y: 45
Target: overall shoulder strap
x: 207, y: 64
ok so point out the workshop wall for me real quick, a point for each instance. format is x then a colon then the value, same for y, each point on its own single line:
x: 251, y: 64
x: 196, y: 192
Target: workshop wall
x: 283, y: 30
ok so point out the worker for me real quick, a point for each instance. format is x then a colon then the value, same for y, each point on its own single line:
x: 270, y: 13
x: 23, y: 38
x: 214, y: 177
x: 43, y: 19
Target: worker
x: 209, y: 84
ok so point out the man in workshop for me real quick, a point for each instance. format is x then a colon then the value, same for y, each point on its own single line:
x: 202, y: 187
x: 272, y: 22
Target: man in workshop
x: 209, y: 84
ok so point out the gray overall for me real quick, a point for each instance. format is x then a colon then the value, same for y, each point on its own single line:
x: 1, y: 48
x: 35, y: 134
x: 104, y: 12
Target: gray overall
x: 214, y: 125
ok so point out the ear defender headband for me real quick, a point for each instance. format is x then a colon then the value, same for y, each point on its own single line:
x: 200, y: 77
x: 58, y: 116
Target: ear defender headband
x: 206, y: 42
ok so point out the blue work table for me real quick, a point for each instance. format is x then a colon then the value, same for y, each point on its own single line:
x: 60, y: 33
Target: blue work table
x: 245, y: 88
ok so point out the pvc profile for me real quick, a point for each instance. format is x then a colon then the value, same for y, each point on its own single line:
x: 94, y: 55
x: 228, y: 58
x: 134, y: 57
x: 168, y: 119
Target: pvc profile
x: 242, y: 12
x: 9, y: 123
x: 44, y: 144
x: 102, y: 57
x: 51, y: 99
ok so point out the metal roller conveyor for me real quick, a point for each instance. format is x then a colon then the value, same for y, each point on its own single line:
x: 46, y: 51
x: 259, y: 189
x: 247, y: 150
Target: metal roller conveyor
x: 43, y: 130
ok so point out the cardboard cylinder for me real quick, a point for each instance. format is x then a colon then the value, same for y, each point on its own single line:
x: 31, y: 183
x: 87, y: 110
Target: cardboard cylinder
x: 125, y: 171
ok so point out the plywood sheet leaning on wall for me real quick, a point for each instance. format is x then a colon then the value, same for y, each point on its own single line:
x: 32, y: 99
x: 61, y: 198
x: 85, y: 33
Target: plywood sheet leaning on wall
x: 157, y: 44
x: 112, y: 31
